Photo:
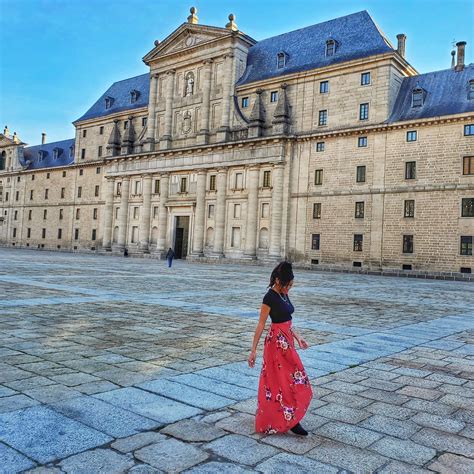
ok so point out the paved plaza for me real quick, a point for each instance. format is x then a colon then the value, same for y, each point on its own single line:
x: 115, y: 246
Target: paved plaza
x: 114, y: 365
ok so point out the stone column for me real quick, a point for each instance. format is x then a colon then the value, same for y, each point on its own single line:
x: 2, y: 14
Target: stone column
x: 226, y: 96
x: 108, y: 214
x: 123, y: 213
x: 165, y: 141
x: 151, y: 123
x: 200, y: 213
x: 145, y: 214
x: 252, y: 212
x: 220, y: 212
x: 203, y: 136
x: 276, y: 218
x: 163, y: 213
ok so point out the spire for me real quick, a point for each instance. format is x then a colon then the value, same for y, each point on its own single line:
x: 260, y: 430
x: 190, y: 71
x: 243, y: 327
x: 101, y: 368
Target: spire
x: 128, y: 138
x: 193, y: 18
x: 281, y: 116
x: 257, y: 117
x: 113, y: 147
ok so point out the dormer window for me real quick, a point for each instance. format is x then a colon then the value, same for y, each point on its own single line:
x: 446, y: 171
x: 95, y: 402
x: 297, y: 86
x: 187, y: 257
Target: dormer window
x: 281, y: 60
x: 470, y: 94
x: 56, y: 153
x: 71, y: 151
x: 134, y: 95
x: 42, y: 155
x: 418, y: 96
x: 331, y: 46
x: 109, y: 102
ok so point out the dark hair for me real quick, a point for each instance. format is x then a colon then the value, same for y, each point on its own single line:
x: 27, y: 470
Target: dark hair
x: 284, y: 272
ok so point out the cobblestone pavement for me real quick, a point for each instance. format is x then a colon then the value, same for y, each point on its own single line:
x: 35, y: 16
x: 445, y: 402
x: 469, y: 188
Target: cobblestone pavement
x: 123, y: 365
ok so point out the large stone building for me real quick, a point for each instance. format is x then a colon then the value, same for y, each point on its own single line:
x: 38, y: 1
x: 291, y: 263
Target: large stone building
x: 323, y: 145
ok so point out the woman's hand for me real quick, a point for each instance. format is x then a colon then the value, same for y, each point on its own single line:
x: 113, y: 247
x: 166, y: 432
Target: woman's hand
x: 302, y: 343
x: 252, y: 357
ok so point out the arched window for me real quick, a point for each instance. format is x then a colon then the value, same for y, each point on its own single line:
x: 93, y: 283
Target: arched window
x: 209, y: 237
x: 331, y: 46
x: 263, y: 238
x: 3, y: 160
x: 281, y: 60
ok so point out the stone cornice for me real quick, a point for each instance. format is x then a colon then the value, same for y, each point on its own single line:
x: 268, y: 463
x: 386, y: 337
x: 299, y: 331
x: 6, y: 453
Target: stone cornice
x: 87, y: 164
x: 111, y: 117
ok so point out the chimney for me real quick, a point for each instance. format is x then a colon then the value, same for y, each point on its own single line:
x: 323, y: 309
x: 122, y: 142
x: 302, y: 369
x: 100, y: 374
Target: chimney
x: 401, y: 38
x: 460, y: 56
x: 43, y: 138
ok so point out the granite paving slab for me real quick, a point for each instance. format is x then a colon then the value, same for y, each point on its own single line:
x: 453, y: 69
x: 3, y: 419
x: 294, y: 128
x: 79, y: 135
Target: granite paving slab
x: 12, y: 461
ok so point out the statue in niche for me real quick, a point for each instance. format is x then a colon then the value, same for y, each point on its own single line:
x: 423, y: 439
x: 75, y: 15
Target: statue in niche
x: 189, y: 90
x: 187, y: 122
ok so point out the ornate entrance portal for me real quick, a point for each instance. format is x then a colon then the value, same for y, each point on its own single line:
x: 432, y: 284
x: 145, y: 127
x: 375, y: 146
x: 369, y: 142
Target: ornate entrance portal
x: 181, y: 237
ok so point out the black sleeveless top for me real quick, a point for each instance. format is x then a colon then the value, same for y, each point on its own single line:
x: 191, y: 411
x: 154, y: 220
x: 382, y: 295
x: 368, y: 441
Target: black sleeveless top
x: 281, y: 308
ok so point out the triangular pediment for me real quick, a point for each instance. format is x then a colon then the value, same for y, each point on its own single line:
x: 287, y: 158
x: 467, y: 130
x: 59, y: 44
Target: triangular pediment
x: 187, y: 36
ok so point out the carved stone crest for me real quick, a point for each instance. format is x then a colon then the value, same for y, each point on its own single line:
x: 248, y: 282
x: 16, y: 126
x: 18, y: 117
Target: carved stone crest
x: 187, y: 124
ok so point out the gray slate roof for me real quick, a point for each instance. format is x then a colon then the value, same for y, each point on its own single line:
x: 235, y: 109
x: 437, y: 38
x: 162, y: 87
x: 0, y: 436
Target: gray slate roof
x: 446, y: 93
x: 357, y: 36
x: 31, y: 159
x: 120, y: 93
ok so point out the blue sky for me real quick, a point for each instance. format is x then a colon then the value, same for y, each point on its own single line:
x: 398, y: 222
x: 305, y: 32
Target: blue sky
x: 58, y: 56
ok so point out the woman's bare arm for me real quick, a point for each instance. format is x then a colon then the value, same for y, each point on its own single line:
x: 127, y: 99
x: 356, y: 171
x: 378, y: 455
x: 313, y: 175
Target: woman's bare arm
x: 264, y: 312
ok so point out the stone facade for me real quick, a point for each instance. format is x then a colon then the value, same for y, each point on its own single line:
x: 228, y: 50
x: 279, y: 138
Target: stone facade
x: 307, y: 163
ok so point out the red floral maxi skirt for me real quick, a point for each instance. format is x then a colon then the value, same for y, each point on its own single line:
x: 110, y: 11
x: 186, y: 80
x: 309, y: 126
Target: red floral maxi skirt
x: 284, y: 391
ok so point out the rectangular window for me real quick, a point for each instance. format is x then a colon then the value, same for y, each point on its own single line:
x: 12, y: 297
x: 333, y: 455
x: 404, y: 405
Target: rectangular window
x: 156, y: 189
x: 359, y: 209
x: 63, y: 191
x: 32, y: 177
x: 28, y: 233
x: 48, y: 175
x: 96, y: 191
x: 236, y: 211
x: 6, y: 196
x: 136, y: 211
x: 265, y: 210
x: 119, y: 189
x: 156, y: 211
x: 83, y: 153
x: 60, y: 233
x: 239, y: 181
x: 365, y: 79
x: 315, y: 241
x: 117, y: 209
x: 15, y: 216
x: 317, y: 210
x: 81, y: 172
x: 97, y: 170
x: 43, y: 233
x: 183, y: 186
x: 14, y: 232
x: 84, y: 133
x: 64, y: 174
x: 144, y: 121
x: 468, y: 130
x: 266, y: 179
x: 466, y: 245
x: 362, y: 142
x: 61, y: 214
x: 467, y: 207
x: 320, y: 146
x: 30, y: 212
x: 137, y: 187
x: 409, y: 208
x: 358, y: 239
x: 76, y: 234
x: 468, y: 165
x: 17, y: 196
x: 245, y: 102
x: 324, y: 87
x: 94, y: 213
x: 323, y: 117
x: 78, y: 214
x: 125, y: 124
x: 94, y: 233
x: 364, y: 112
x: 360, y: 174
x: 101, y: 130
x: 212, y: 182
x: 31, y: 195
x: 99, y: 151
x: 408, y: 244
x: 45, y: 214
x: 410, y: 170
x: 79, y: 191
x: 210, y: 211
x: 274, y: 96
x: 235, y: 238
x: 412, y: 136
x: 318, y: 177
x: 46, y: 192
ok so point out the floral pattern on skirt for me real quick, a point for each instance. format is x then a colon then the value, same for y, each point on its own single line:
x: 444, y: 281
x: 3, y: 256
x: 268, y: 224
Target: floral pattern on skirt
x: 284, y: 391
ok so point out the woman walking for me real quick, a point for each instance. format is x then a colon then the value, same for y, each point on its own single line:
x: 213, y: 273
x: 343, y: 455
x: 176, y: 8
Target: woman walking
x: 284, y: 391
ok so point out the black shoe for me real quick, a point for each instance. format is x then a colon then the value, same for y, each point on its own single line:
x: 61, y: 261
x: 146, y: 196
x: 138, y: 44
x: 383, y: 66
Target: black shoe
x: 299, y: 430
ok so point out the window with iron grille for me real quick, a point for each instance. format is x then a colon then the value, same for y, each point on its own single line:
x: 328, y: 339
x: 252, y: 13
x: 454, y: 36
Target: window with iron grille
x: 409, y: 208
x: 212, y: 182
x: 466, y: 245
x: 61, y: 214
x: 468, y: 165
x: 318, y: 177
x: 266, y: 179
x: 210, y: 211
x: 63, y: 191
x: 359, y: 209
x: 96, y: 191
x: 358, y: 239
x: 317, y: 210
x: 323, y: 117
x: 315, y: 241
x: 99, y: 151
x: 60, y: 233
x: 410, y: 170
x: 157, y: 186
x: 408, y: 244
x: 94, y: 233
x: 76, y: 234
x: 94, y: 214
x: 78, y: 214
x: 467, y: 207
x: 79, y: 191
x: 363, y: 111
x: 183, y: 186
x: 360, y: 174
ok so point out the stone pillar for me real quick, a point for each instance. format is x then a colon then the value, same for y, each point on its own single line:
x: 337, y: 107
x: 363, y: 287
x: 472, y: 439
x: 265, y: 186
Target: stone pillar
x: 203, y: 136
x: 108, y: 214
x: 149, y: 143
x: 222, y: 134
x: 276, y: 217
x: 200, y: 213
x: 165, y: 141
x: 123, y: 213
x: 252, y: 213
x: 220, y: 212
x: 145, y: 214
x: 163, y: 213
